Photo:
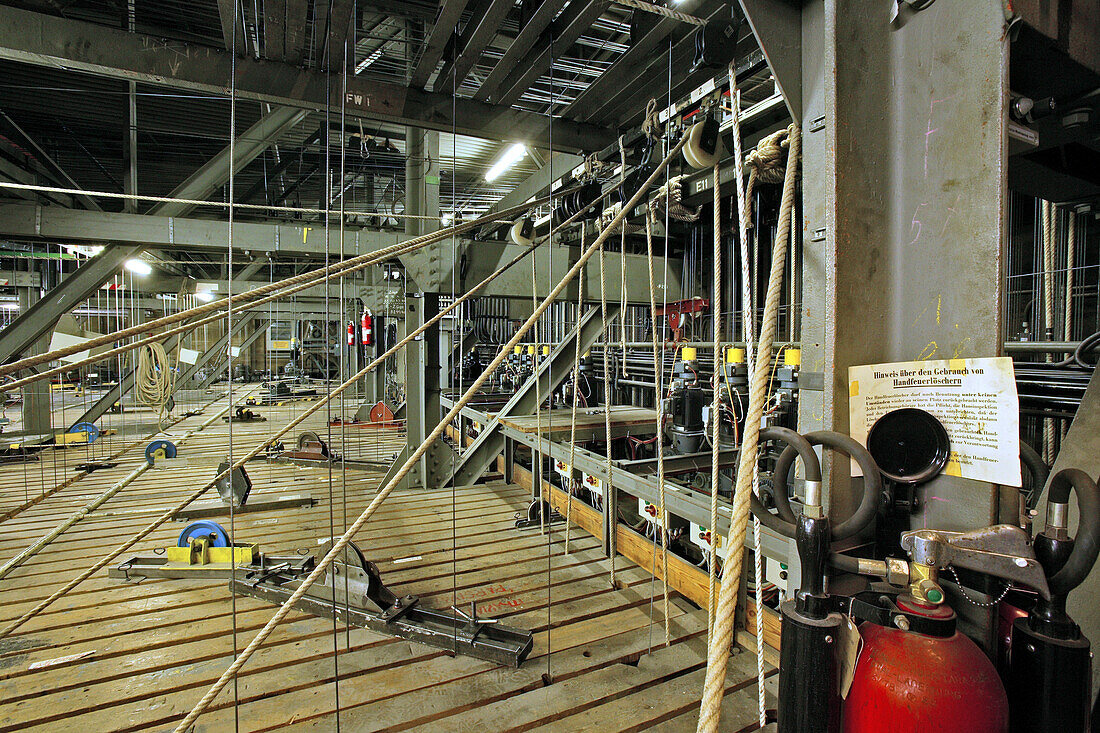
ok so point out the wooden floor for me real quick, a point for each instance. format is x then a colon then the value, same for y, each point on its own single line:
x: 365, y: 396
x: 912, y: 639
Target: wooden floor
x: 112, y: 656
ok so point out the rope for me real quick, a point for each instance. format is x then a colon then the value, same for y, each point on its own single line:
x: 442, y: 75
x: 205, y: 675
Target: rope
x: 1071, y: 261
x: 169, y: 514
x: 722, y: 636
x: 658, y: 355
x: 153, y: 378
x: 748, y: 315
x: 716, y: 400
x: 1049, y: 224
x: 622, y: 262
x: 610, y: 506
x: 351, y: 265
x: 661, y: 10
x: 536, y: 452
x: 571, y: 483
x: 651, y: 121
x: 338, y: 546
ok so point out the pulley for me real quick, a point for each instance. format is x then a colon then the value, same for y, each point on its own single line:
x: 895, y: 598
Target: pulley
x: 158, y: 450
x: 86, y: 427
x: 204, y: 529
x: 701, y: 150
x: 522, y: 232
x: 234, y: 488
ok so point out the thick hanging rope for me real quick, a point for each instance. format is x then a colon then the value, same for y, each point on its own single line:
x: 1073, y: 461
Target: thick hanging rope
x: 748, y: 317
x: 610, y: 509
x: 1071, y: 261
x: 622, y: 265
x: 536, y: 452
x: 322, y: 565
x: 658, y: 357
x: 1049, y: 222
x: 719, y: 647
x: 716, y: 400
x: 315, y: 277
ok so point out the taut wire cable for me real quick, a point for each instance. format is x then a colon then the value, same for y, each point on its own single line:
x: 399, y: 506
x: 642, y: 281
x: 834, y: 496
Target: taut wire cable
x: 658, y: 359
x: 323, y: 564
x: 170, y: 513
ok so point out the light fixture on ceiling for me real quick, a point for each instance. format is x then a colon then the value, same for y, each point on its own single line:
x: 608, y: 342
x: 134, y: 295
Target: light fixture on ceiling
x: 205, y: 296
x: 512, y: 155
x: 368, y: 61
x: 139, y: 267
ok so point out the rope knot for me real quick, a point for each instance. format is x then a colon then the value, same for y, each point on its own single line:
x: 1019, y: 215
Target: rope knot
x: 769, y: 160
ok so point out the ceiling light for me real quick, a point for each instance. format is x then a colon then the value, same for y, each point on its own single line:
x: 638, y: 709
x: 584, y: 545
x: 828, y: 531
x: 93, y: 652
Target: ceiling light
x: 512, y: 155
x: 204, y: 296
x: 139, y: 267
x: 368, y: 61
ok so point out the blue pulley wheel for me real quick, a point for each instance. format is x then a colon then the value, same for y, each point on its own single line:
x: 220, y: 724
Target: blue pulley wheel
x: 86, y: 427
x: 204, y: 528
x: 159, y: 449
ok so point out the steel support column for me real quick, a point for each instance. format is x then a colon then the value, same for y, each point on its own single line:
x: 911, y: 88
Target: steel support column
x: 422, y: 355
x: 904, y: 145
x: 36, y: 396
x: 479, y: 456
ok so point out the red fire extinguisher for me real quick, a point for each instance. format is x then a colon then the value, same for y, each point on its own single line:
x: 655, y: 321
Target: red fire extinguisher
x: 368, y: 328
x: 351, y: 333
x: 944, y: 683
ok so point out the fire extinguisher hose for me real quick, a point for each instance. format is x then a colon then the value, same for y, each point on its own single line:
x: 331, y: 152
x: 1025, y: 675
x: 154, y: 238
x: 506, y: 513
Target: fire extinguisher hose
x: 868, y: 505
x: 1086, y: 544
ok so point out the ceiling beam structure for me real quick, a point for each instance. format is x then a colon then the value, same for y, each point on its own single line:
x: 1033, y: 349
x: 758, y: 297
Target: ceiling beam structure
x: 449, y: 14
x: 215, y: 172
x: 34, y: 38
x: 577, y: 18
x: 639, y: 54
x: 471, y: 43
x: 529, y: 34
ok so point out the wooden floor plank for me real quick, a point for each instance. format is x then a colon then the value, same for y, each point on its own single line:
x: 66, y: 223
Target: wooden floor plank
x: 152, y: 649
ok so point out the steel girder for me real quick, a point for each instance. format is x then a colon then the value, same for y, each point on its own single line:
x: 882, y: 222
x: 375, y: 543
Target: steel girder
x: 216, y: 350
x: 34, y: 38
x: 216, y: 171
x: 550, y: 373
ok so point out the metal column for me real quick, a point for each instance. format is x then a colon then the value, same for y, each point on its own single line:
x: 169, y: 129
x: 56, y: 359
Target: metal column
x: 422, y: 371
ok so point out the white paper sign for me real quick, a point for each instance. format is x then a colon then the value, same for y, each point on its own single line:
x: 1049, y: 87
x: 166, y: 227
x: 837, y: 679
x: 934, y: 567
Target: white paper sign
x: 975, y: 399
x: 189, y: 356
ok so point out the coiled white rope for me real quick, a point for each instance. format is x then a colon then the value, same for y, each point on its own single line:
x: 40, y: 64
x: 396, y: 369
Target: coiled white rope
x: 153, y: 378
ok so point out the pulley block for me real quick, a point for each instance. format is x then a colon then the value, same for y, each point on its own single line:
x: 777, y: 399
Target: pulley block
x: 159, y: 449
x: 234, y: 488
x: 522, y: 232
x: 702, y: 148
x: 204, y: 529
x: 86, y: 427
